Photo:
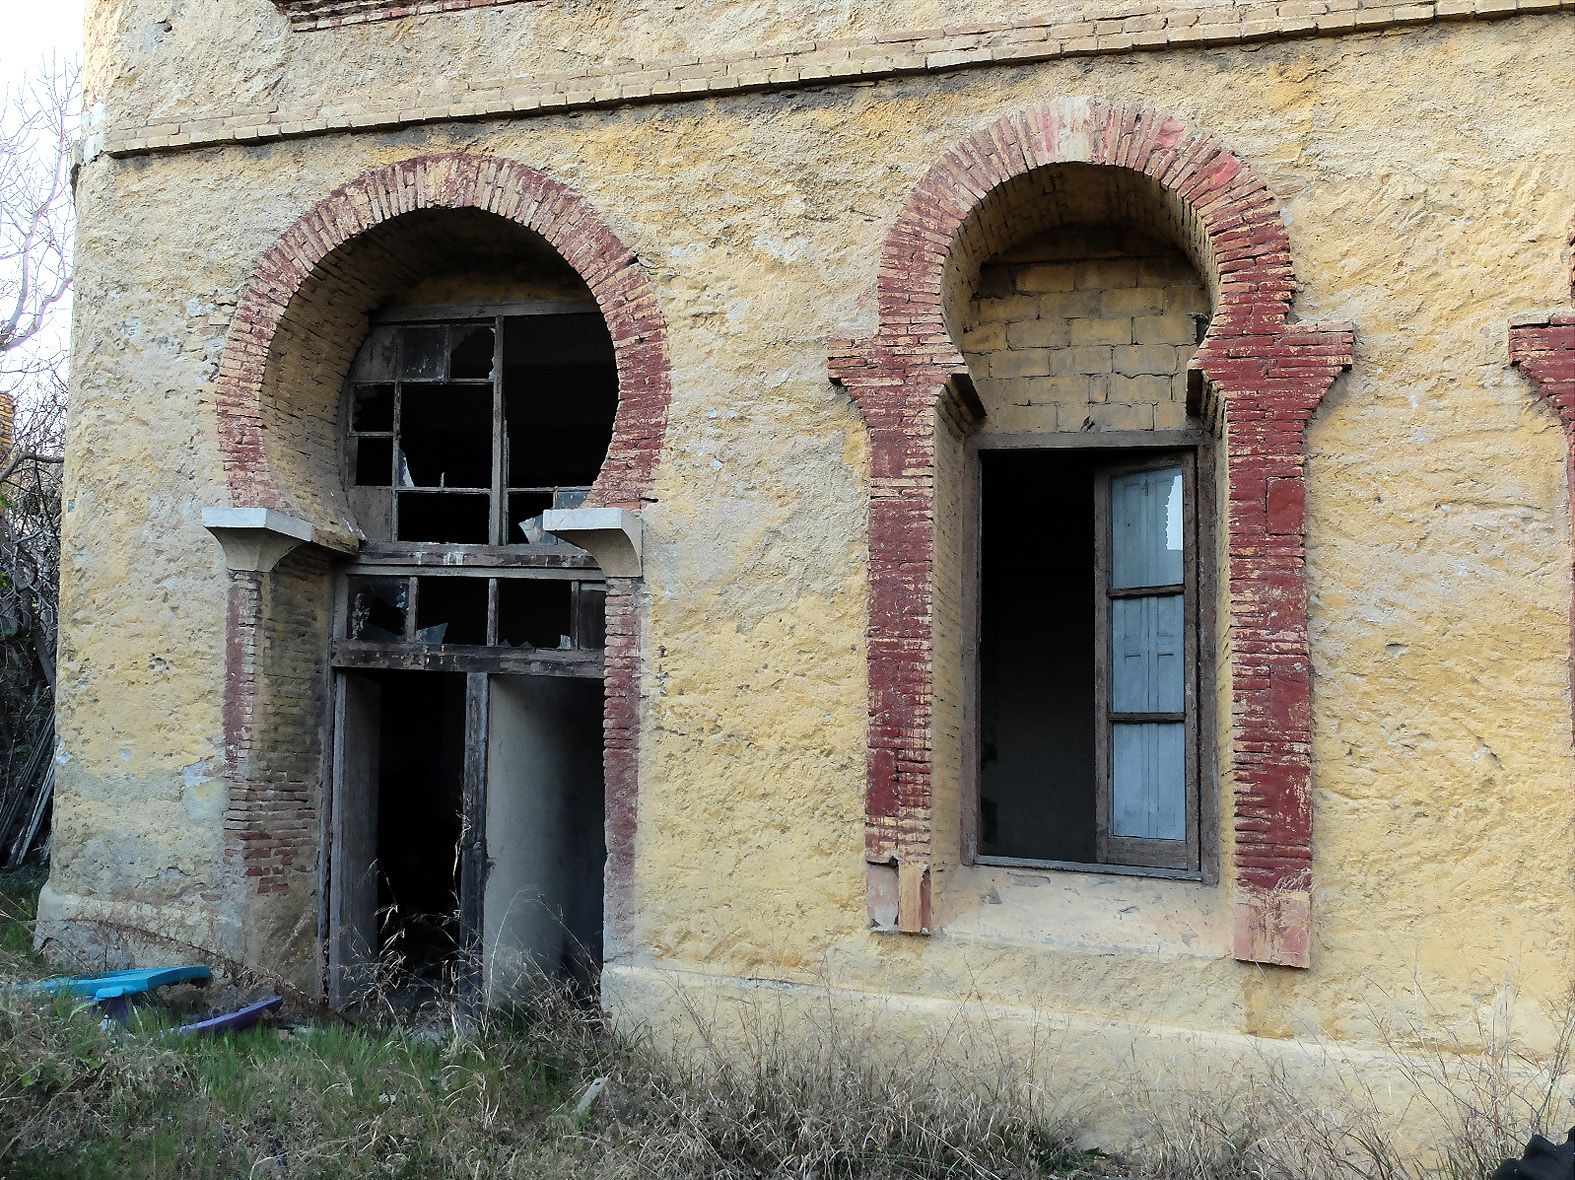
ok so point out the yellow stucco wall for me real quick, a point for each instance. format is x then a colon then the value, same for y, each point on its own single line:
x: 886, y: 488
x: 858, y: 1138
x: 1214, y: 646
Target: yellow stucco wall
x: 1427, y: 180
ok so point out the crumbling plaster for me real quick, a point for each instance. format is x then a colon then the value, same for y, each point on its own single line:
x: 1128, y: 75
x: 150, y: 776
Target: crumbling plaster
x: 1428, y: 185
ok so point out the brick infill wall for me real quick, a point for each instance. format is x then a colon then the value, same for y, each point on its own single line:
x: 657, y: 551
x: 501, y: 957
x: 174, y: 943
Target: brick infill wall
x: 1124, y: 28
x: 265, y: 822
x: 1267, y: 377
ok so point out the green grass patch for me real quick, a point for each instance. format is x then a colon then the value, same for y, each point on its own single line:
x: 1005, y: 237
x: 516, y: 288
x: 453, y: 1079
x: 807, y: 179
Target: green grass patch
x: 18, y: 907
x: 490, y: 1099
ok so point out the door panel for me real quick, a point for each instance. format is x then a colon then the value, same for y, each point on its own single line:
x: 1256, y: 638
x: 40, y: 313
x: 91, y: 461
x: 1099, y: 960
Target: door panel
x: 545, y: 844
x: 353, y: 941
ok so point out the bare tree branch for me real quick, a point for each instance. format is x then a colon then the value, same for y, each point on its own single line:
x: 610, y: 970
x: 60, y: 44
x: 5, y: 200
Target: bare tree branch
x: 37, y: 127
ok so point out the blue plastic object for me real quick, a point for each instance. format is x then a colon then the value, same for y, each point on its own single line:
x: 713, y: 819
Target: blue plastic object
x: 117, y: 985
x: 230, y: 1021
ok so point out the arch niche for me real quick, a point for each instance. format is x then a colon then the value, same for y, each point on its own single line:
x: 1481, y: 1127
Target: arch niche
x: 296, y: 328
x: 1262, y: 379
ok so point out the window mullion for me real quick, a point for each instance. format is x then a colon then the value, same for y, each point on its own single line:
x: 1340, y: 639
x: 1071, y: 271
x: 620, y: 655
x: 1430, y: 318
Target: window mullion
x: 1103, y: 731
x: 500, y: 513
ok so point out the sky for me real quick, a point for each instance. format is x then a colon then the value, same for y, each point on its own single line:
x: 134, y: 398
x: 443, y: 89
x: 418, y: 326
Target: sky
x: 34, y: 28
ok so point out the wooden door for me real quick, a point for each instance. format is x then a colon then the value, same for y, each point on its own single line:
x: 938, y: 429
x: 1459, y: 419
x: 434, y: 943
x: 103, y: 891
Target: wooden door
x: 353, y: 932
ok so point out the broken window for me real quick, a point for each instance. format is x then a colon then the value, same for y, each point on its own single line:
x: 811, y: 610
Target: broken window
x: 526, y: 609
x: 1088, y: 665
x: 463, y: 432
x: 468, y: 798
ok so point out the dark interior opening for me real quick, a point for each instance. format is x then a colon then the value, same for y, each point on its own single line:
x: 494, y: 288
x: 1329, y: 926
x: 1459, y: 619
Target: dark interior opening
x: 463, y: 518
x: 535, y: 612
x: 1037, y: 655
x: 452, y: 611
x: 445, y: 432
x: 420, y: 785
x: 560, y: 392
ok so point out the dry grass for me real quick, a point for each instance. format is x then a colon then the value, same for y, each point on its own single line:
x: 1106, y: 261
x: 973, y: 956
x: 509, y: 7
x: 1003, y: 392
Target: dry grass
x: 499, y: 1096
x: 495, y: 1096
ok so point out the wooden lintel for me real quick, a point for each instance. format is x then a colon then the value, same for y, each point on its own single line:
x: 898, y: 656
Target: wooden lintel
x: 353, y: 653
x: 459, y: 559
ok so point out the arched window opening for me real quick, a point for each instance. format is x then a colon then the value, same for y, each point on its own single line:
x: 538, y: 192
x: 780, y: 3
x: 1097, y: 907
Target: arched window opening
x: 465, y: 431
x: 1087, y: 731
x: 469, y: 641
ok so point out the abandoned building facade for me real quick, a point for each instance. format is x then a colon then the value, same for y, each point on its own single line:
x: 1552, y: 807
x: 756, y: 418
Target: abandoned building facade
x: 1047, y: 514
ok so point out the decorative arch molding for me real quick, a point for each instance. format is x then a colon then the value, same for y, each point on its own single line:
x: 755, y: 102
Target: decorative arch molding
x: 273, y: 815
x: 1264, y: 378
x: 512, y: 191
x: 1543, y: 348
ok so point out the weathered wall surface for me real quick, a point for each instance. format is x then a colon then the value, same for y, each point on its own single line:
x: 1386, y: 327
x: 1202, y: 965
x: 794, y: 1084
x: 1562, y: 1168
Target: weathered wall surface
x: 1101, y: 342
x: 1438, y: 537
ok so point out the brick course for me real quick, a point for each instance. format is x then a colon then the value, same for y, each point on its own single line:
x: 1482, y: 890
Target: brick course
x: 889, y: 55
x: 1266, y: 377
x: 332, y: 14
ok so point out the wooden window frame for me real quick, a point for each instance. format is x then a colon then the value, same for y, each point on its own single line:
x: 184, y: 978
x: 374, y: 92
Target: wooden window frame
x: 1133, y: 851
x: 493, y: 562
x: 498, y: 490
x: 1203, y: 572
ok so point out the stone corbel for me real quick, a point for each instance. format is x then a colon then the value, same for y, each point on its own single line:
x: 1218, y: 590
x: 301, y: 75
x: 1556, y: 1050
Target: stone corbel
x: 611, y: 535
x: 257, y: 539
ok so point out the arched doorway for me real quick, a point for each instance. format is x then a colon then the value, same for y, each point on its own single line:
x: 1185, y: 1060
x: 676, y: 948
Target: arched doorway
x: 428, y: 363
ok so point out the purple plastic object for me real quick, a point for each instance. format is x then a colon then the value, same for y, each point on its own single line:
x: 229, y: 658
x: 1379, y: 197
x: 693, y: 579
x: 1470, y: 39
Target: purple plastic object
x: 230, y: 1021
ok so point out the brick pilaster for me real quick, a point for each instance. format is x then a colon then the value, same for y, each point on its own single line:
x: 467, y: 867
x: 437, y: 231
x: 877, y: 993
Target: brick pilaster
x: 621, y: 757
x: 1268, y: 387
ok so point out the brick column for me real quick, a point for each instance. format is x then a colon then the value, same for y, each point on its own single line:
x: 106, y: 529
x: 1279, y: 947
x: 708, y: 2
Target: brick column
x: 1544, y: 350
x: 621, y: 759
x: 243, y: 842
x: 1267, y: 388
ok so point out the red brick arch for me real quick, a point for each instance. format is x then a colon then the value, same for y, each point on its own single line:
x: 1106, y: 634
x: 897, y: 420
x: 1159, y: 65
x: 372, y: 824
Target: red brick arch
x: 274, y: 674
x: 513, y: 191
x: 1267, y: 376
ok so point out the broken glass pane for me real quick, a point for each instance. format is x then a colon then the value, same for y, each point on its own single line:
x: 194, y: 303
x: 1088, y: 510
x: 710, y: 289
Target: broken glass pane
x: 535, y: 612
x: 425, y: 354
x: 1146, y: 529
x: 373, y: 408
x: 377, y: 608
x: 446, y: 433
x: 591, y: 622
x: 524, y: 522
x: 452, y: 611
x: 374, y: 462
x: 459, y: 518
x: 471, y: 354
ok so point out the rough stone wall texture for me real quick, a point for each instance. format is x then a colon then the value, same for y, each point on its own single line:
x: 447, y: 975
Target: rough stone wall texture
x: 1097, y: 343
x: 1436, y: 511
